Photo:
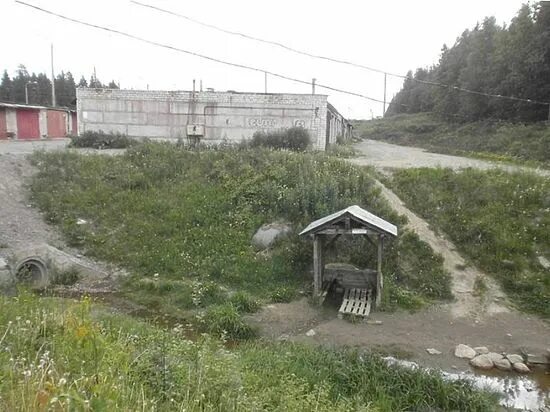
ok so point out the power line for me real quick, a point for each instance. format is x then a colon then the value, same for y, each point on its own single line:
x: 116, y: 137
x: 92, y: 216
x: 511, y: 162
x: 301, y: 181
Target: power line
x: 335, y: 60
x: 173, y: 48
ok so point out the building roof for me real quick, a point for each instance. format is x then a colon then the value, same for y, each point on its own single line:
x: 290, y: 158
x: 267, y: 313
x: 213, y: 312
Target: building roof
x: 364, y: 217
x: 30, y: 106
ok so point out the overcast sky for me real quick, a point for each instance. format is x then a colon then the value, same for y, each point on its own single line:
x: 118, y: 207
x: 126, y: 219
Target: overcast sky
x: 393, y: 36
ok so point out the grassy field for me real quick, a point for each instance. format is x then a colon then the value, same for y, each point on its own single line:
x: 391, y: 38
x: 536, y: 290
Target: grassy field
x: 500, y: 221
x: 498, y: 141
x: 180, y: 221
x: 65, y: 355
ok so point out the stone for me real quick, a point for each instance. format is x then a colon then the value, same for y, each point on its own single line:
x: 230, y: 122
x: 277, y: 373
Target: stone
x: 81, y: 221
x: 503, y: 364
x: 482, y: 350
x: 433, y: 351
x: 373, y: 322
x: 514, y: 358
x: 3, y: 264
x: 521, y: 367
x: 268, y: 234
x: 495, y: 356
x: 508, y: 263
x: 545, y: 263
x: 483, y: 362
x: 464, y: 351
x: 310, y: 333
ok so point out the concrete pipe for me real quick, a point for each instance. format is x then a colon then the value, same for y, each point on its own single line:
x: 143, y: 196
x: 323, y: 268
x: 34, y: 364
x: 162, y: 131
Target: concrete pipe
x: 32, y: 271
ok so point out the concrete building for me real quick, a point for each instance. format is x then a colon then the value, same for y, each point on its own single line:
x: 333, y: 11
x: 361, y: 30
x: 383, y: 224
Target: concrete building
x: 26, y: 122
x: 212, y: 117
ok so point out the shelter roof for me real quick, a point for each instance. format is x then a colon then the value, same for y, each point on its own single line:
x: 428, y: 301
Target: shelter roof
x: 359, y: 215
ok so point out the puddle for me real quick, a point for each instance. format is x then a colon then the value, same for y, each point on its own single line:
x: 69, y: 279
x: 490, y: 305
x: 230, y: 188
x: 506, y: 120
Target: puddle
x: 530, y: 392
x: 524, y: 392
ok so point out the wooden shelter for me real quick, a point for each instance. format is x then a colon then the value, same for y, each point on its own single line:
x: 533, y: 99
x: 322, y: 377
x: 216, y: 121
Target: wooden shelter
x: 359, y: 285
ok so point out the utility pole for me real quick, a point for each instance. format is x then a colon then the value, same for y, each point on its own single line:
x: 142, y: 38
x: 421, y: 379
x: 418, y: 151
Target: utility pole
x: 265, y: 82
x: 313, y: 85
x: 53, y: 80
x: 385, y: 79
x: 27, y: 91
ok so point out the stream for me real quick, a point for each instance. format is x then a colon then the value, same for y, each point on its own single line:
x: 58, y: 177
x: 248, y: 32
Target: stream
x: 529, y: 392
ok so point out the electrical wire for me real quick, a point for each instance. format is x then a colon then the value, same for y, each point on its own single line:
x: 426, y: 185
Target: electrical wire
x: 177, y: 49
x: 335, y: 60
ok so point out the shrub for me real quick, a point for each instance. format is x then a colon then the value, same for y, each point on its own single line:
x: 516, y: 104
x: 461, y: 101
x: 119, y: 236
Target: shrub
x: 65, y: 277
x: 225, y: 320
x: 295, y: 138
x: 244, y: 302
x: 102, y: 140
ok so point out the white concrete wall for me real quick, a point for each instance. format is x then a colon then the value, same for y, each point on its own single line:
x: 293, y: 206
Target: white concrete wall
x: 226, y: 116
x: 43, y: 123
x: 11, y: 122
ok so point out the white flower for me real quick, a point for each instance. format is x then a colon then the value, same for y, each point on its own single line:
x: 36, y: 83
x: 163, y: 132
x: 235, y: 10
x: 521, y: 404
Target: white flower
x: 62, y: 381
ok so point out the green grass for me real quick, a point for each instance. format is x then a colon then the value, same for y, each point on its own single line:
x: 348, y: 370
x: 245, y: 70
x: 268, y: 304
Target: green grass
x: 496, y: 141
x: 181, y: 222
x: 65, y: 355
x: 499, y: 220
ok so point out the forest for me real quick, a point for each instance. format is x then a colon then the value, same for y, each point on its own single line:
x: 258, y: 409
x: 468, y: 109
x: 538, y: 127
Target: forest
x: 509, y: 60
x: 39, y: 87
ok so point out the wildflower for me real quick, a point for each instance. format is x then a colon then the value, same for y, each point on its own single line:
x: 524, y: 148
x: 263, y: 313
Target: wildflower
x: 27, y: 373
x: 62, y: 381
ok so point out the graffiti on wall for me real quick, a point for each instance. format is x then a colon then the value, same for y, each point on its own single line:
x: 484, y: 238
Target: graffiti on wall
x: 262, y: 123
x: 270, y: 123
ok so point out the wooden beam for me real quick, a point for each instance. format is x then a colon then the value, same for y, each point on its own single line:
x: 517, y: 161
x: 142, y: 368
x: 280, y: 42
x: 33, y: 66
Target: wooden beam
x: 379, y: 276
x: 347, y: 232
x: 317, y: 265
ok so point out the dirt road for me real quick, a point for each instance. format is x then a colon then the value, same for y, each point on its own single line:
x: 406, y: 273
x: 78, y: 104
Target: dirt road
x: 386, y: 155
x: 22, y: 227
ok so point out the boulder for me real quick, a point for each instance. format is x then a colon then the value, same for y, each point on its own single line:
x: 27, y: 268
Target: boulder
x: 521, y: 367
x: 503, y: 364
x: 433, y: 351
x: 464, y: 352
x: 482, y: 362
x: 268, y: 234
x: 514, y: 358
x: 495, y: 356
x: 310, y: 333
x: 482, y: 350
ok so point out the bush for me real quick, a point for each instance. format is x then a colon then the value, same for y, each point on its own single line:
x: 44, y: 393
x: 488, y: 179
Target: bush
x: 102, y: 140
x: 295, y: 138
x: 244, y: 303
x: 65, y: 277
x: 225, y: 320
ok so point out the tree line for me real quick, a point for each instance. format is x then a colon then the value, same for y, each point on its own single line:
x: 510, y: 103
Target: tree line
x: 511, y: 60
x: 39, y: 87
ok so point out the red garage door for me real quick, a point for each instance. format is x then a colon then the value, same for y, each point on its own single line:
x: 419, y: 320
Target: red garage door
x: 27, y: 124
x: 57, y: 123
x: 3, y: 125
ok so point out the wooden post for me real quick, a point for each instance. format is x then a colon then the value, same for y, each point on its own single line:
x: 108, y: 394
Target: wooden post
x: 317, y: 266
x: 379, y: 276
